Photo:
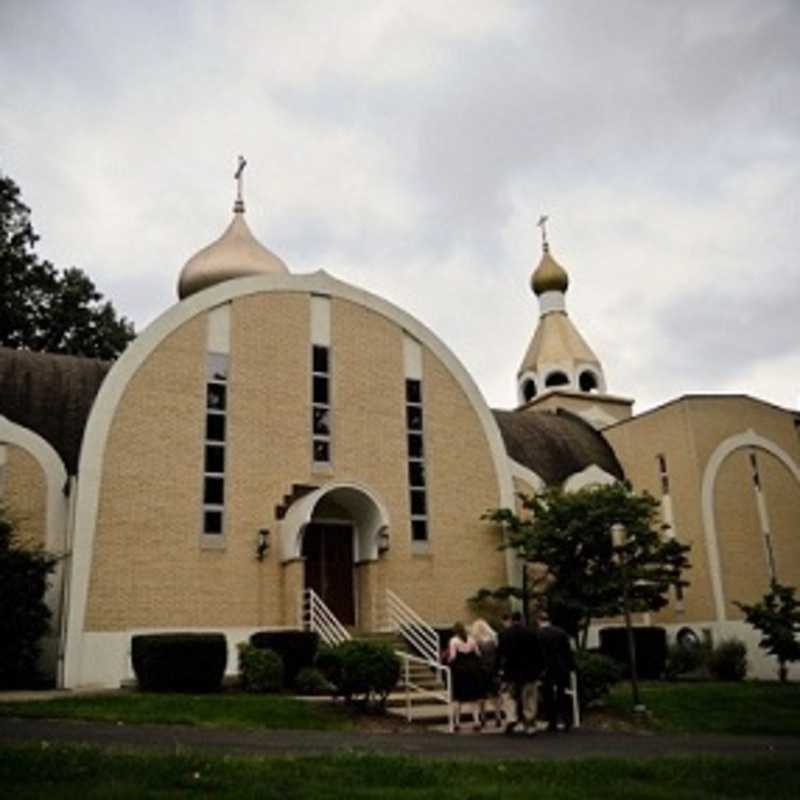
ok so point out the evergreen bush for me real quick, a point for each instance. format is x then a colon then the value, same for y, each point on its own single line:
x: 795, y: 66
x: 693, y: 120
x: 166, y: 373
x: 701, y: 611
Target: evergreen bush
x: 728, y: 660
x: 311, y: 681
x: 179, y: 662
x: 651, y: 649
x: 597, y: 674
x: 24, y: 616
x: 260, y: 670
x: 362, y: 672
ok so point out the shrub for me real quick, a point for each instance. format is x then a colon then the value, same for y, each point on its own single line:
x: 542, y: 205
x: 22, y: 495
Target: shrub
x: 311, y: 681
x: 362, y: 672
x: 297, y: 649
x: 25, y: 616
x: 650, y: 644
x: 260, y: 670
x: 728, y: 660
x: 180, y: 662
x: 329, y: 663
x: 597, y: 674
x: 685, y: 659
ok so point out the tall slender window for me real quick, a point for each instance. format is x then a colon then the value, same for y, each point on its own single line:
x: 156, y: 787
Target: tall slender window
x: 663, y: 474
x: 418, y: 499
x: 214, y: 448
x: 321, y: 404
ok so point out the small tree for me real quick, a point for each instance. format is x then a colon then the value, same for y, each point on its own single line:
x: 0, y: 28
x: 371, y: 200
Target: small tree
x: 777, y: 617
x: 24, y: 616
x: 569, y: 533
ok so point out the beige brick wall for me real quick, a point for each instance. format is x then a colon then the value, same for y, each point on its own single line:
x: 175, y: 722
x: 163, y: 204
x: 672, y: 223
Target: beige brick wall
x: 149, y: 569
x: 24, y: 497
x: 687, y: 433
x: 741, y: 546
x: 782, y: 497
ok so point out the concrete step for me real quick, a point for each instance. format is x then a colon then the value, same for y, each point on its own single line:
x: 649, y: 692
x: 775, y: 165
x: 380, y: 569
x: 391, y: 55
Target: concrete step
x: 429, y: 714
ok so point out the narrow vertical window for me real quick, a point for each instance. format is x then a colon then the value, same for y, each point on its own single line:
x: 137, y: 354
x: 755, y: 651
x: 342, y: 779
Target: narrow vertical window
x: 321, y: 405
x: 417, y: 485
x: 214, y: 446
x: 662, y: 473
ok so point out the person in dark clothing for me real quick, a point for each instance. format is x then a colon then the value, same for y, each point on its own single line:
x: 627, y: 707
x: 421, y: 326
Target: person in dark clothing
x: 520, y: 662
x: 558, y: 662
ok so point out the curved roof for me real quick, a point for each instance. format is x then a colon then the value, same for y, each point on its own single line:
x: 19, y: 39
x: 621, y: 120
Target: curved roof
x: 549, y: 276
x: 51, y: 395
x: 236, y: 254
x: 555, y: 445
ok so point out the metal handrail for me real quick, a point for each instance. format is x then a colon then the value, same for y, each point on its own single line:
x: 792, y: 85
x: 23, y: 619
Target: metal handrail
x: 444, y: 674
x: 317, y: 617
x: 412, y: 627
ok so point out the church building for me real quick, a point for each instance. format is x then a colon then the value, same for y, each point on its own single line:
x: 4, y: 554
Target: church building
x: 274, y: 433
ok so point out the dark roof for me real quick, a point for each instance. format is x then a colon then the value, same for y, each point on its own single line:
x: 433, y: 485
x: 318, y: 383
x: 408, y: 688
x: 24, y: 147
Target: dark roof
x: 51, y: 395
x: 555, y: 445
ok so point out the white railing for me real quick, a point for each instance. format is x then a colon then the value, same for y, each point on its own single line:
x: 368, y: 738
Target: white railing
x: 422, y: 638
x: 412, y: 627
x: 316, y: 616
x: 443, y: 675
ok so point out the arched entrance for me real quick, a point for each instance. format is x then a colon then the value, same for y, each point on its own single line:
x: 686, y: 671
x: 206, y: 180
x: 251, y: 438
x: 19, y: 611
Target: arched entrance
x: 338, y: 532
x: 328, y: 554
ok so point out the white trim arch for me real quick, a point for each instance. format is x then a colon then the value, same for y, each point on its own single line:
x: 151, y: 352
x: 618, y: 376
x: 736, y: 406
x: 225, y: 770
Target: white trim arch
x: 369, y: 515
x: 122, y: 372
x: 741, y: 440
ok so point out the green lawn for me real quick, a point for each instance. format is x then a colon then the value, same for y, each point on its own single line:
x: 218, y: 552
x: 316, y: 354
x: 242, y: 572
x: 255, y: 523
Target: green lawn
x: 33, y: 771
x: 738, y: 708
x: 226, y: 710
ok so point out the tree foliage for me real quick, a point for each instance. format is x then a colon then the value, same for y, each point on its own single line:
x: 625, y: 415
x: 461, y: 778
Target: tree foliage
x: 569, y: 533
x: 42, y: 308
x: 24, y: 617
x: 777, y: 618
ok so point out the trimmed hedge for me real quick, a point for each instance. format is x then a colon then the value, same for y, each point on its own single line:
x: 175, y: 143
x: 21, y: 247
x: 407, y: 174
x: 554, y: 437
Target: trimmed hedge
x: 297, y: 649
x: 179, y: 662
x: 651, y: 649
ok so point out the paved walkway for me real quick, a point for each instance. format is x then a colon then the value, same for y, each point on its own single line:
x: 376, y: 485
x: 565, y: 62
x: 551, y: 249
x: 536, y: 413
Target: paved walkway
x: 578, y: 744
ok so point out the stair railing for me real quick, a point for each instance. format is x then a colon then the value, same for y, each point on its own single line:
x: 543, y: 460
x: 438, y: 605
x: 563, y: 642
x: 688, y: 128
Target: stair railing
x: 412, y: 627
x: 421, y: 637
x: 316, y: 616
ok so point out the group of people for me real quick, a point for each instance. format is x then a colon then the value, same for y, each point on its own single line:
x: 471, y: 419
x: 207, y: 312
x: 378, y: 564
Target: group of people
x: 523, y: 663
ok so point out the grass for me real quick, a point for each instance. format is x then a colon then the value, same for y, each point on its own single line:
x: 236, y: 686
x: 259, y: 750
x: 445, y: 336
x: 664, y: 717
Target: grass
x: 30, y: 772
x: 747, y: 708
x: 227, y: 710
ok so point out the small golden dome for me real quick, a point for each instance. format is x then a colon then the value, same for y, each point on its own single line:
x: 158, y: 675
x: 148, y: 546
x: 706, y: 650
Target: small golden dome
x: 549, y: 276
x: 236, y: 254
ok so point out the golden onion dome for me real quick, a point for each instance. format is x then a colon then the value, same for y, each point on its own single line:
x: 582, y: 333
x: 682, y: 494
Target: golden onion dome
x: 236, y: 254
x: 549, y: 276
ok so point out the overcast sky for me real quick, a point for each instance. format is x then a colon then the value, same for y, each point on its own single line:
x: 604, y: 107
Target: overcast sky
x: 409, y: 148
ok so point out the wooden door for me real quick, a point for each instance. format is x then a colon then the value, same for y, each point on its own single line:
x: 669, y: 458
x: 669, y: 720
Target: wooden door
x: 328, y: 550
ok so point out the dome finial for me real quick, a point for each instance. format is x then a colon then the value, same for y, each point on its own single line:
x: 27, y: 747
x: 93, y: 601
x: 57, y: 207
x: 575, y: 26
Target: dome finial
x: 238, y: 206
x: 542, y: 223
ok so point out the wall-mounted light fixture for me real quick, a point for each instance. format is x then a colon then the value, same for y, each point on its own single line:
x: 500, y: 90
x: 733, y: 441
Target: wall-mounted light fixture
x: 263, y: 543
x: 383, y: 540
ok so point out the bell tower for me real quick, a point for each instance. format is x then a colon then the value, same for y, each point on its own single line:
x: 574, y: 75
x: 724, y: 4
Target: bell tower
x: 559, y: 369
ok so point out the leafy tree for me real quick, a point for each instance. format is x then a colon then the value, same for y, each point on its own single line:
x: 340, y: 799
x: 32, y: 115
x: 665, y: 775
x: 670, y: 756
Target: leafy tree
x: 569, y: 534
x: 42, y: 308
x: 24, y: 617
x: 777, y: 617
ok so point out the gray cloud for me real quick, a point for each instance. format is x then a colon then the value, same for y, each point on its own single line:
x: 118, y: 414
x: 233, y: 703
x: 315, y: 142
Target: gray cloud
x: 409, y: 147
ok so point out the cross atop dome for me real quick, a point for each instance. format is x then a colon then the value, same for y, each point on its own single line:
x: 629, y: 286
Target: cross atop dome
x: 238, y: 206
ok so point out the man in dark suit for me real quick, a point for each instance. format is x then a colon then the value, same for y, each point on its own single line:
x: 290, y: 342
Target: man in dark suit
x: 520, y: 663
x: 558, y: 663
